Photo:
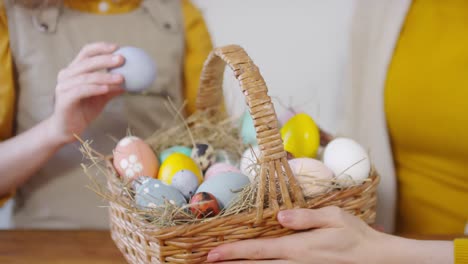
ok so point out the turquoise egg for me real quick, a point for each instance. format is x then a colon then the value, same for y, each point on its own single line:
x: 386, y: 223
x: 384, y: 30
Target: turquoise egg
x: 151, y: 193
x: 248, y: 134
x: 176, y: 149
x: 226, y: 187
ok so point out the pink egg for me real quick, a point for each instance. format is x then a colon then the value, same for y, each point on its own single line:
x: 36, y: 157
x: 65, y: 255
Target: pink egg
x: 313, y: 176
x: 134, y: 158
x: 219, y: 168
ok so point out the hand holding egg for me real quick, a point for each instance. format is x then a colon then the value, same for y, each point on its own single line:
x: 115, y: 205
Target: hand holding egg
x: 139, y: 69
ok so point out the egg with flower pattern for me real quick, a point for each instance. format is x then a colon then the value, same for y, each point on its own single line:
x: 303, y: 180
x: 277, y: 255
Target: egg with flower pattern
x: 134, y: 158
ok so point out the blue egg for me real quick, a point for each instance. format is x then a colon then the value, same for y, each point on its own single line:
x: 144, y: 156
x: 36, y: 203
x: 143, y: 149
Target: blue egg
x: 248, y: 133
x: 226, y: 187
x: 152, y: 193
x: 186, y: 182
x: 139, y: 69
x: 176, y: 149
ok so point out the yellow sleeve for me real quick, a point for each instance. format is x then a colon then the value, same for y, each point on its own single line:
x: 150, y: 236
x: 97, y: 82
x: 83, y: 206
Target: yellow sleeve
x: 197, y: 47
x: 7, y: 88
x: 461, y: 251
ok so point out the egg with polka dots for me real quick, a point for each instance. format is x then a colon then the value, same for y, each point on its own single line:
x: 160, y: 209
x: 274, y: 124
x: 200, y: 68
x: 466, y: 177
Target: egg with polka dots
x: 186, y: 182
x: 134, y: 158
x: 204, y: 155
x: 153, y: 194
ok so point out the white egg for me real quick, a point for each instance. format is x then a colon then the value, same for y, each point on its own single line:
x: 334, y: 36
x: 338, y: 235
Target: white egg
x: 249, y: 163
x: 348, y: 160
x: 139, y: 69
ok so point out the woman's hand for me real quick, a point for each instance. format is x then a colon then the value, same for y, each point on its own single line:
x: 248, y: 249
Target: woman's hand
x: 83, y: 90
x: 331, y: 236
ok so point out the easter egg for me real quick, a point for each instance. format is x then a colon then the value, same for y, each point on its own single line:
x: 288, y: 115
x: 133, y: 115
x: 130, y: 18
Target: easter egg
x: 313, y: 176
x: 286, y: 115
x: 225, y: 187
x: 219, y: 168
x: 249, y: 163
x: 152, y: 193
x: 175, y: 163
x: 186, y: 182
x: 204, y: 155
x: 134, y: 158
x: 138, y: 70
x: 176, y: 149
x: 222, y: 156
x: 248, y: 133
x: 348, y: 160
x: 301, y: 136
x: 204, y: 205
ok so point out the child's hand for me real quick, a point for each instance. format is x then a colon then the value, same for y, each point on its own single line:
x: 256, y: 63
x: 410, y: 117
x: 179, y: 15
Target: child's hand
x: 83, y: 89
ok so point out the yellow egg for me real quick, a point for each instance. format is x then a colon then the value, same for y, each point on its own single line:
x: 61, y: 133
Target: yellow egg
x: 175, y: 163
x: 301, y: 136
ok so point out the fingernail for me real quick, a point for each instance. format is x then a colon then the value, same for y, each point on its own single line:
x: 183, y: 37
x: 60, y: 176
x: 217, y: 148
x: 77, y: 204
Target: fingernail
x: 213, y: 256
x: 112, y: 47
x: 284, y: 216
x: 116, y: 58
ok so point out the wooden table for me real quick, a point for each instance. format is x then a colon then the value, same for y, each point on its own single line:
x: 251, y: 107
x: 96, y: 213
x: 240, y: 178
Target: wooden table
x: 70, y: 247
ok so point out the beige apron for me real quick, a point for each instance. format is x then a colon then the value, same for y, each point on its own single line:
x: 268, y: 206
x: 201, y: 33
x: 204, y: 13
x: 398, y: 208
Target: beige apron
x: 57, y: 196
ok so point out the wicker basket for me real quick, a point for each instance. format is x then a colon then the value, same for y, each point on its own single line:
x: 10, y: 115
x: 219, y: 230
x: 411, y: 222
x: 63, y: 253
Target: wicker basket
x: 190, y: 243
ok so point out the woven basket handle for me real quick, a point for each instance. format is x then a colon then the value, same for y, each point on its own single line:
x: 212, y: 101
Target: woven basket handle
x: 275, y: 172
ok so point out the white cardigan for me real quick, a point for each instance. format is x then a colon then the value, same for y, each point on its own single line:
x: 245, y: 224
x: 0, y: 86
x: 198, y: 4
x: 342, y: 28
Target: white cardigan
x: 375, y: 31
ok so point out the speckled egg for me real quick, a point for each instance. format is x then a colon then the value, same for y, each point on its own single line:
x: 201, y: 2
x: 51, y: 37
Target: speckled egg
x: 248, y: 133
x: 204, y: 155
x: 175, y: 163
x: 225, y: 187
x: 348, y: 160
x: 138, y: 70
x: 175, y: 149
x: 249, y: 163
x: 134, y: 158
x: 313, y: 176
x: 204, y: 205
x: 219, y: 168
x: 186, y: 182
x: 152, y: 193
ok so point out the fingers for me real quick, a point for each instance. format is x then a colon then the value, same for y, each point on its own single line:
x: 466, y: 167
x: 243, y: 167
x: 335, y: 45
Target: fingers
x: 94, y: 49
x: 303, y: 219
x: 92, y: 78
x: 256, y: 262
x: 259, y: 249
x: 97, y: 63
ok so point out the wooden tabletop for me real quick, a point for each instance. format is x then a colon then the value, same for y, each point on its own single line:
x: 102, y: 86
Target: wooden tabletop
x: 72, y: 247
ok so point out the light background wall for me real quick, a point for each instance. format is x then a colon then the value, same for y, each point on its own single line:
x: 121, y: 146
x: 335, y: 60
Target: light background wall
x: 299, y: 46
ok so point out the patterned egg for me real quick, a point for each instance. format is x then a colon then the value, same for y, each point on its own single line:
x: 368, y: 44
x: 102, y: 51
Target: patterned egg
x: 348, y: 160
x: 249, y: 163
x: 225, y: 187
x: 152, y: 193
x: 301, y: 136
x: 139, y: 69
x: 134, y: 158
x: 222, y: 156
x: 313, y: 176
x: 176, y: 149
x: 248, y: 133
x: 175, y: 163
x: 204, y: 155
x: 186, y: 182
x: 219, y: 168
x: 204, y: 205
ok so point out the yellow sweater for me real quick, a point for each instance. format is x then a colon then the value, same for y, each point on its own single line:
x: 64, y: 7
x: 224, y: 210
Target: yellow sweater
x: 426, y: 103
x: 197, y: 47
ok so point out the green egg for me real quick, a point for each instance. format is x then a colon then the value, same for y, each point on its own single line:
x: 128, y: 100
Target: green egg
x: 248, y: 134
x: 176, y: 149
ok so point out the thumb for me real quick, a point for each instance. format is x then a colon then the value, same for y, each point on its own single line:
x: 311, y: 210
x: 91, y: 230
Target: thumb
x: 303, y: 219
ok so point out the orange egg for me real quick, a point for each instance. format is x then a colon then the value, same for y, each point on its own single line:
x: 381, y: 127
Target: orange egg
x: 134, y: 158
x: 203, y: 205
